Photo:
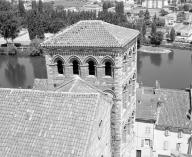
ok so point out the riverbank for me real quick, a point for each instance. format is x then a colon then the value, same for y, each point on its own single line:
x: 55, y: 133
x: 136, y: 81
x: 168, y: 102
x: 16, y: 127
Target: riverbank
x: 154, y: 50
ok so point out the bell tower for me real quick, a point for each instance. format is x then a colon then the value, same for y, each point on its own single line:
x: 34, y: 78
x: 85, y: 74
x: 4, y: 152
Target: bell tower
x: 104, y: 55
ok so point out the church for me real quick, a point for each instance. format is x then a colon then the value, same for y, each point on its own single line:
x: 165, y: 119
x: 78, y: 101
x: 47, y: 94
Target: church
x: 86, y: 106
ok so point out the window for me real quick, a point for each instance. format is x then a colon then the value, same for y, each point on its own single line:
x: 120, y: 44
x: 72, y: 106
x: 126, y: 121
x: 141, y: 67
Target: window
x: 75, y: 67
x: 142, y: 143
x: 166, y: 132
x: 147, y: 130
x: 108, y: 68
x: 178, y: 146
x: 180, y: 134
x: 147, y: 142
x: 60, y: 66
x: 91, y: 65
x: 165, y: 145
x: 138, y: 153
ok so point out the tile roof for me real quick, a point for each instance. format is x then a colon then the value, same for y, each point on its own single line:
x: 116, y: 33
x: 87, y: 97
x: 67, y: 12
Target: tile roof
x: 39, y: 123
x: 174, y: 110
x: 92, y: 33
x: 146, y: 105
x: 40, y: 84
x: 78, y: 85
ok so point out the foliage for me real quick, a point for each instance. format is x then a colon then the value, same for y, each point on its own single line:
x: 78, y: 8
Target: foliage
x: 147, y: 17
x: 106, y: 5
x: 157, y: 38
x: 181, y: 16
x: 34, y: 4
x: 35, y: 48
x: 186, y: 7
x: 119, y: 8
x: 21, y: 8
x: 40, y: 6
x: 172, y: 34
x: 35, y: 24
x: 163, y: 12
x: 5, y: 5
x: 153, y: 29
x: 160, y: 22
x: 9, y: 25
x: 56, y: 25
x: 141, y: 13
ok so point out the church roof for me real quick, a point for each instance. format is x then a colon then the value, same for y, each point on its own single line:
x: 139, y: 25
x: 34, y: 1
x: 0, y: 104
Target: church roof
x: 39, y: 123
x: 92, y: 33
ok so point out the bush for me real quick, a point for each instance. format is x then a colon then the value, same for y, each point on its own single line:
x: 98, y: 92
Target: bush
x: 163, y: 12
x: 35, y: 47
x: 12, y: 50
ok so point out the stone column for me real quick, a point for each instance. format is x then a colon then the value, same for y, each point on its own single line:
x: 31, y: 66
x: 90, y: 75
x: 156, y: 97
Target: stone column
x: 84, y: 70
x: 68, y: 70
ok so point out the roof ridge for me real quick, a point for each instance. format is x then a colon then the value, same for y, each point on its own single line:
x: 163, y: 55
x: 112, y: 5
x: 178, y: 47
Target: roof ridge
x: 109, y: 32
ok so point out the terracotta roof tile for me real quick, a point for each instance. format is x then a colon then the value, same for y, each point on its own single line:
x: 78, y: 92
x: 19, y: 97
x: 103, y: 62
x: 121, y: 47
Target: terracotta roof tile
x: 174, y: 110
x: 38, y: 123
x: 92, y: 33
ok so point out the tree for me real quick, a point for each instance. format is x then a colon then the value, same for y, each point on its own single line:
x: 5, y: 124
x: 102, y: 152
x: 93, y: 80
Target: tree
x: 153, y: 28
x: 172, y: 34
x: 163, y: 12
x: 157, y: 38
x: 21, y: 8
x: 34, y: 4
x: 35, y: 24
x: 147, y: 17
x: 9, y: 27
x: 40, y: 6
x: 141, y: 13
x: 119, y: 8
x: 186, y: 7
x: 5, y: 5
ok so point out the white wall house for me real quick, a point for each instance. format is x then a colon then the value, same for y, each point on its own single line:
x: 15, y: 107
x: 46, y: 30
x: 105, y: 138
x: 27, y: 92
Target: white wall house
x: 162, y: 127
x: 155, y: 3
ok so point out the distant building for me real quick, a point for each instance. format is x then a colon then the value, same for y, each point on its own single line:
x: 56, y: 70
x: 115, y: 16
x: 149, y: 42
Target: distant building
x: 155, y: 3
x: 162, y: 126
x: 170, y: 19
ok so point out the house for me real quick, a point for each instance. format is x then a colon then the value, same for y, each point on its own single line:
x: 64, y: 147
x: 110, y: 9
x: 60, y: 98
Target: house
x: 162, y: 113
x: 154, y: 4
x: 170, y: 19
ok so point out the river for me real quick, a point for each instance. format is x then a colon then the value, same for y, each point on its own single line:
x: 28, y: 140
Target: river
x: 173, y: 70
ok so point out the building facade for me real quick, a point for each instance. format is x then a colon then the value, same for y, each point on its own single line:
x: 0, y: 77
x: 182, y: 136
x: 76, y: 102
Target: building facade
x: 162, y: 126
x: 155, y: 3
x: 104, y: 55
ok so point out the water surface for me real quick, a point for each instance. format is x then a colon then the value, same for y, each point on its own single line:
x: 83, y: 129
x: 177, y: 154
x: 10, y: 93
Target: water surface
x: 173, y: 70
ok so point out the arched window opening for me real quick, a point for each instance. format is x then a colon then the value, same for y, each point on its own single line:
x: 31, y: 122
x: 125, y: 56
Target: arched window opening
x: 75, y: 67
x: 92, y: 70
x: 60, y: 66
x: 108, y: 69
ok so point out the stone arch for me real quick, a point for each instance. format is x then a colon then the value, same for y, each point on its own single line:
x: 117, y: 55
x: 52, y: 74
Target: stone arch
x: 56, y: 57
x: 107, y: 58
x: 72, y: 58
x: 59, y: 63
x: 87, y: 59
x: 76, y: 62
x: 111, y: 92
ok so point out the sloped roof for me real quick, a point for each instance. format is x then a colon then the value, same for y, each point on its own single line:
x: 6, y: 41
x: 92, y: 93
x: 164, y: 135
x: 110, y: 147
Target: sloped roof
x: 77, y: 85
x: 38, y: 123
x: 40, y: 84
x: 146, y: 105
x: 174, y: 110
x: 92, y: 33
